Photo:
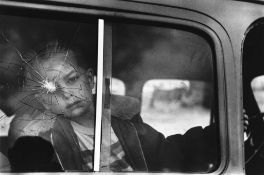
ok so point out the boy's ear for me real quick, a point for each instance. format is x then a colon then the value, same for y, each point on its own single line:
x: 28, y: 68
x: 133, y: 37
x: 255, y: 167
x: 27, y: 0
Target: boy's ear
x: 90, y: 76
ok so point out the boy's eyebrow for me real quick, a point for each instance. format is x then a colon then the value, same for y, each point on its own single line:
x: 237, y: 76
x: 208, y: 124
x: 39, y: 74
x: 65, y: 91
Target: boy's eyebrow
x: 68, y: 74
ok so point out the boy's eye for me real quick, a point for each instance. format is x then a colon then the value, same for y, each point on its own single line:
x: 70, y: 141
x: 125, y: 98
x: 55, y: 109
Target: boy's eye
x: 72, y: 79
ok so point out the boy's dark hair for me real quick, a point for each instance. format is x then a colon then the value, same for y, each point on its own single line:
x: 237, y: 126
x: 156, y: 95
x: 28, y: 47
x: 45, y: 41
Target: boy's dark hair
x: 84, y: 61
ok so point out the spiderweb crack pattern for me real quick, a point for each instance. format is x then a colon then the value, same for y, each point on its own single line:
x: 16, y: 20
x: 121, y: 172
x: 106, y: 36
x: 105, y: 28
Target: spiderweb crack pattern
x: 34, y: 83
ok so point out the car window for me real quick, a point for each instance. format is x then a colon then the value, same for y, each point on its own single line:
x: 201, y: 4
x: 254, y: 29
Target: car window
x: 47, y: 70
x: 169, y: 72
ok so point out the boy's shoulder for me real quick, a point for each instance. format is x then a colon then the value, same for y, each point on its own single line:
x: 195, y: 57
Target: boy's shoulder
x: 124, y: 107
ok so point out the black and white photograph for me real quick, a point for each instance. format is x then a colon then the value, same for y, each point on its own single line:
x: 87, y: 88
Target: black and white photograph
x: 132, y: 86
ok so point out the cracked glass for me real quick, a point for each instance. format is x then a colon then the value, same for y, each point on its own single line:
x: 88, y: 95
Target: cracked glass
x: 47, y: 85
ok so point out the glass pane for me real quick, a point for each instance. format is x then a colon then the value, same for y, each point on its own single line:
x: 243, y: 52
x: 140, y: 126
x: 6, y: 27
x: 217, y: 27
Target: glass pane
x: 47, y: 70
x: 167, y: 120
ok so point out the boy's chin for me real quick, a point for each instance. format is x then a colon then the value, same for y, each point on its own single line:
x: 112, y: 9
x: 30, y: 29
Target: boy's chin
x: 78, y: 112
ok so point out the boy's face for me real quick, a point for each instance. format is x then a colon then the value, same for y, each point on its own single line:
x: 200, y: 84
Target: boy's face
x: 65, y: 88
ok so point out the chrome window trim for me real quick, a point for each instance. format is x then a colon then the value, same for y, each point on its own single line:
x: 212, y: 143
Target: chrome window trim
x: 99, y: 96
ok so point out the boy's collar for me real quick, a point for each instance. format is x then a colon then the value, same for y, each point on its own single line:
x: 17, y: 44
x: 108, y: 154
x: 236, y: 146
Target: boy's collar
x: 124, y: 107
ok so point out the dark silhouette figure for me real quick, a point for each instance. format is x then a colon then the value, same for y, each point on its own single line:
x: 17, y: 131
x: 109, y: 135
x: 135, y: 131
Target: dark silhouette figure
x: 33, y: 154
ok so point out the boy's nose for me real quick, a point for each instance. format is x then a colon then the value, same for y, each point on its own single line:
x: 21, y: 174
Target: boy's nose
x: 65, y: 92
x: 67, y: 95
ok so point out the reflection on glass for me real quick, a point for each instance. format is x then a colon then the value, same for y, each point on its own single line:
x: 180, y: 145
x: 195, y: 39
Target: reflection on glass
x: 181, y: 102
x: 118, y: 87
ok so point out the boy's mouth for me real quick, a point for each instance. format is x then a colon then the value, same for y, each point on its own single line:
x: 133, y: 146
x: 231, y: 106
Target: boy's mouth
x: 74, y: 104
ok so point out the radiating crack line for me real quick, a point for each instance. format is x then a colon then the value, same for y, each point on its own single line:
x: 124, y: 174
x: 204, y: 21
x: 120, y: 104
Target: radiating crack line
x: 70, y: 88
x: 36, y: 91
x: 72, y: 95
x: 34, y: 107
x: 33, y: 75
x: 68, y: 49
x: 28, y: 96
x: 38, y: 82
x: 39, y: 65
x: 3, y: 117
x: 20, y: 55
x: 58, y: 104
x: 31, y: 85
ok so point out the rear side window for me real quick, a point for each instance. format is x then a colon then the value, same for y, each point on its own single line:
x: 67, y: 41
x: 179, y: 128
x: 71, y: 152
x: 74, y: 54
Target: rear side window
x: 170, y: 71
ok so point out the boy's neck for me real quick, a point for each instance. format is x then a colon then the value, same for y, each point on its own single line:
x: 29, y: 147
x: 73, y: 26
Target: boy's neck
x: 84, y: 121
